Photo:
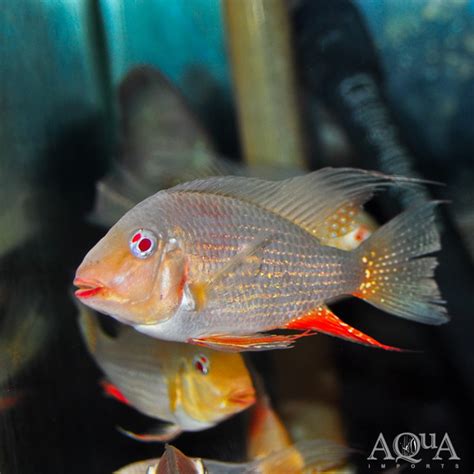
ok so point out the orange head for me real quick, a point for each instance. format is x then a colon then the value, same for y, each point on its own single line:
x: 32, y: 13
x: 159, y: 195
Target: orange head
x: 213, y: 385
x: 134, y: 273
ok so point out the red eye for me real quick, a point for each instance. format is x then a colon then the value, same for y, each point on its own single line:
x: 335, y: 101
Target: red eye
x: 142, y: 243
x: 145, y: 244
x: 201, y: 364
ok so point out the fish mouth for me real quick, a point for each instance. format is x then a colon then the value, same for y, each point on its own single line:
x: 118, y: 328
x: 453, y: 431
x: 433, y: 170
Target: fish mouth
x: 87, y: 289
x: 243, y: 397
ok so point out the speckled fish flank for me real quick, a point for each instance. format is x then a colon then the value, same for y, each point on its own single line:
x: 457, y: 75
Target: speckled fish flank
x: 236, y: 257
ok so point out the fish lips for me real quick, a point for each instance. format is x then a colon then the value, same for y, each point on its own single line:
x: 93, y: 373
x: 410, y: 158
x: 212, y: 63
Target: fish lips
x: 243, y: 398
x: 87, y: 288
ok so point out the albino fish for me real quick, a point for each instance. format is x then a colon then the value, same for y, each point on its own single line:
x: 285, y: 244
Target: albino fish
x: 317, y: 456
x: 218, y: 261
x: 188, y: 387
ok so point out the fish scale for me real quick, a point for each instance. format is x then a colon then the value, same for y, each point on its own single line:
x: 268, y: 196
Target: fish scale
x: 273, y: 299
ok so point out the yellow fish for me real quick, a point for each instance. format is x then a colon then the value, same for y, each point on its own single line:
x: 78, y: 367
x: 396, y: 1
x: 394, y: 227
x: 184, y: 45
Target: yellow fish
x: 218, y: 261
x: 318, y: 456
x: 188, y: 387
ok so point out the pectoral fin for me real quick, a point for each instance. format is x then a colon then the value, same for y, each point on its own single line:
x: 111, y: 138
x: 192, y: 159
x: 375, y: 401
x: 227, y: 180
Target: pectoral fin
x: 247, y: 260
x: 323, y: 320
x: 160, y: 434
x: 254, y: 342
x: 113, y: 391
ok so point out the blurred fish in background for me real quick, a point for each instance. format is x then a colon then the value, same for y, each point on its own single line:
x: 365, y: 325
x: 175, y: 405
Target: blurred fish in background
x: 269, y: 450
x: 316, y: 457
x: 16, y: 211
x: 190, y: 388
x: 161, y: 141
x: 268, y: 435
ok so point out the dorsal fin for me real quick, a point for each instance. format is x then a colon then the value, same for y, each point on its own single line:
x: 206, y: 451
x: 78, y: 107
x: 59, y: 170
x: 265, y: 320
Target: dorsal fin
x: 310, y: 201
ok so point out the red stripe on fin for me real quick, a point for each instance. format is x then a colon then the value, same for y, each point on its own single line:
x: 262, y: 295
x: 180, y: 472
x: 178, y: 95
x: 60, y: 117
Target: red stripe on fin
x: 113, y: 391
x: 254, y: 342
x: 160, y: 434
x: 323, y: 320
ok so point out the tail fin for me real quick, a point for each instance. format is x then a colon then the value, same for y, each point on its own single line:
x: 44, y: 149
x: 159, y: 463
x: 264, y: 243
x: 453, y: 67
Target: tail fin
x: 395, y: 278
x: 313, y: 455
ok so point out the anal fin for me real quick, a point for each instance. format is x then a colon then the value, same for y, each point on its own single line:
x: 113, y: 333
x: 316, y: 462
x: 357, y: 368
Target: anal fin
x: 253, y: 342
x: 322, y: 319
x: 161, y: 434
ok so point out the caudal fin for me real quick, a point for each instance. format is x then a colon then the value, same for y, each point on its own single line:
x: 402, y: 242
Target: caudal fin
x: 397, y: 277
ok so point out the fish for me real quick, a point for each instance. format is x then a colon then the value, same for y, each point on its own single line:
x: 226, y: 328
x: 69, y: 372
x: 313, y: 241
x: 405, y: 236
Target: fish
x: 224, y: 262
x: 308, y: 419
x: 187, y: 387
x: 268, y: 434
x: 317, y: 456
x: 160, y: 133
x: 161, y: 141
x: 266, y: 431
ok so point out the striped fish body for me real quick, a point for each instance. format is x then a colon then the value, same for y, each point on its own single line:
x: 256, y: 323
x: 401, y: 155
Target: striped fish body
x: 288, y: 274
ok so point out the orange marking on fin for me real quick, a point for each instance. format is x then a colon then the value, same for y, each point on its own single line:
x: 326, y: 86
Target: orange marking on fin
x: 362, y: 233
x: 113, y: 391
x: 199, y: 291
x: 254, y: 342
x: 323, y: 320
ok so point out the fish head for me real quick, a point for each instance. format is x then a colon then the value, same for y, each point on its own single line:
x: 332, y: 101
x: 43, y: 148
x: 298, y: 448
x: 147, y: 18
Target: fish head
x: 122, y: 274
x: 214, y: 385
